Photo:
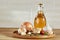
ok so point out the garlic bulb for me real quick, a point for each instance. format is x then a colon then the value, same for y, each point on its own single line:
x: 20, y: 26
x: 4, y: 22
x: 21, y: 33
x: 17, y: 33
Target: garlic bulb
x: 19, y: 31
x: 48, y: 29
x: 28, y: 26
x: 22, y: 31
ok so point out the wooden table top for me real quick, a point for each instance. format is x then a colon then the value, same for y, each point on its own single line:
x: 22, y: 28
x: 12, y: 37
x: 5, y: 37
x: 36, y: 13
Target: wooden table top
x: 7, y: 34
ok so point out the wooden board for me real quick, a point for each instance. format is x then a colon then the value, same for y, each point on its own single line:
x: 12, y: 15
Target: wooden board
x: 32, y: 37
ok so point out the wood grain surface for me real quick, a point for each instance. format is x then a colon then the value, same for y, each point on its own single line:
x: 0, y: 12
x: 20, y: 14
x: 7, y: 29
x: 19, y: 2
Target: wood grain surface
x: 7, y: 34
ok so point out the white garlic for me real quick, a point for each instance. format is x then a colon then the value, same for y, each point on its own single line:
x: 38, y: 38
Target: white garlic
x: 29, y: 33
x: 37, y: 30
x: 21, y: 30
x: 23, y: 33
x: 24, y: 30
x: 48, y: 29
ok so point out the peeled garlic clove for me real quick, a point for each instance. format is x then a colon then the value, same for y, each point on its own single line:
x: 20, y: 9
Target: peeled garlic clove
x: 29, y: 33
x: 23, y: 33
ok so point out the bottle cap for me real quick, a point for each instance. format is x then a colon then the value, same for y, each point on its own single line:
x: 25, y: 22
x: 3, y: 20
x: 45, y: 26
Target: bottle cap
x: 40, y: 4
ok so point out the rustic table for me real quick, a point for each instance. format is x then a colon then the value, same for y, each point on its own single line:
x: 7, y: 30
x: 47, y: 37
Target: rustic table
x: 7, y: 34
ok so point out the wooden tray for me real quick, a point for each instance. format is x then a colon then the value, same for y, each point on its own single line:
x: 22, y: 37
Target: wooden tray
x: 32, y: 37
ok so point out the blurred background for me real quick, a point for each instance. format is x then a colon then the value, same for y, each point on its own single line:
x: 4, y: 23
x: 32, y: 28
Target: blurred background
x: 14, y: 12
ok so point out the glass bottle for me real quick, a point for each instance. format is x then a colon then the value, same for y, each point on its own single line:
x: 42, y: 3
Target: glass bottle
x: 40, y: 20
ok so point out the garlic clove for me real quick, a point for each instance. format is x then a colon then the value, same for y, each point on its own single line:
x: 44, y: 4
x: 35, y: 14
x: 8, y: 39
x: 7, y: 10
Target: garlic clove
x: 23, y: 33
x: 21, y: 30
x: 36, y: 30
x: 29, y: 33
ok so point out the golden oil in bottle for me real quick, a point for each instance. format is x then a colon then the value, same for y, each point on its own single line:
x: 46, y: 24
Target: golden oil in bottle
x: 40, y: 20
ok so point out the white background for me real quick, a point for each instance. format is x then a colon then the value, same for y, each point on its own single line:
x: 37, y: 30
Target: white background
x: 14, y: 12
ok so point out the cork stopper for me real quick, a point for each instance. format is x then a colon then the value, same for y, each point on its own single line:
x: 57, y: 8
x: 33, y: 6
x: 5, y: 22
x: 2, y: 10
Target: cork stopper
x: 41, y: 4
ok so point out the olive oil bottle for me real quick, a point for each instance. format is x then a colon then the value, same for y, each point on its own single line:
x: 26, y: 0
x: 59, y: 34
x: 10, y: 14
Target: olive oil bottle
x: 40, y: 20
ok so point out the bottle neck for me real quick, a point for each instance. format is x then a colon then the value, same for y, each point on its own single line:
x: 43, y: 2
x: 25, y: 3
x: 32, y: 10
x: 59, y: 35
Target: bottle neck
x: 40, y: 11
x: 40, y: 8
